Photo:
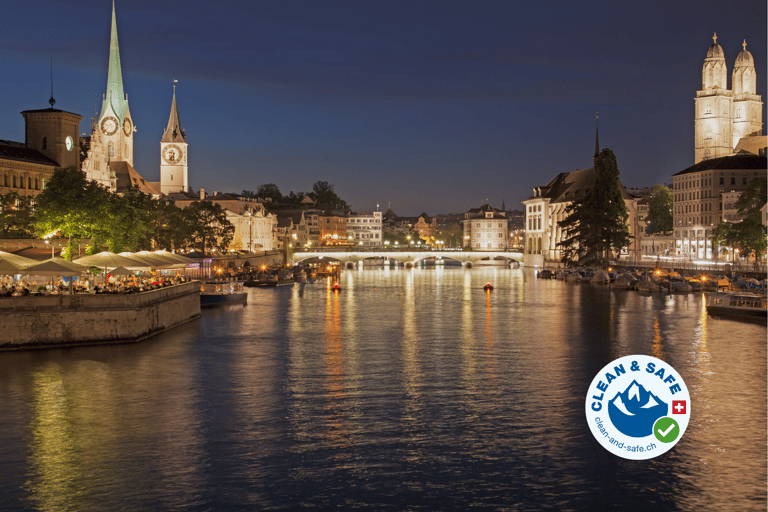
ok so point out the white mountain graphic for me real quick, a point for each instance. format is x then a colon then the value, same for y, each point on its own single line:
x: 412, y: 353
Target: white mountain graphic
x: 651, y: 402
x: 634, y: 391
x: 619, y: 403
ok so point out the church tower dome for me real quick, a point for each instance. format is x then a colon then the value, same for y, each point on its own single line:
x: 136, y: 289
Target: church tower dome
x: 744, y: 73
x: 714, y: 75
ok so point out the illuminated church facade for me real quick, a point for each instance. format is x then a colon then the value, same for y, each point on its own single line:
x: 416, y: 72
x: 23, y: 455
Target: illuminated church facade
x: 109, y: 150
x: 725, y: 116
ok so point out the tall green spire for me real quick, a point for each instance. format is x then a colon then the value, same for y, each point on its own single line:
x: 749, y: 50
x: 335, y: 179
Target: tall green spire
x: 115, y: 95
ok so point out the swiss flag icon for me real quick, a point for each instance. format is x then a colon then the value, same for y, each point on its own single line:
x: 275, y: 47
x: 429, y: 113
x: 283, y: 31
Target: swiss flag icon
x: 678, y: 407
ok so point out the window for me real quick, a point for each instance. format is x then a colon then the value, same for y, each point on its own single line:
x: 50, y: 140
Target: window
x: 111, y: 150
x: 744, y: 180
x: 45, y: 143
x: 721, y: 181
x: 733, y: 180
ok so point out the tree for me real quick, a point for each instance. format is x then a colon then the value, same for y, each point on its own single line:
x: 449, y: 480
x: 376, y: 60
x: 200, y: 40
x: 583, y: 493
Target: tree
x: 597, y: 225
x: 294, y: 198
x: 208, y: 225
x: 660, y: 210
x: 323, y: 193
x: 72, y: 207
x: 269, y: 192
x: 452, y: 233
x: 17, y: 219
x: 130, y: 225
x: 170, y: 227
x: 752, y: 199
x: 748, y: 235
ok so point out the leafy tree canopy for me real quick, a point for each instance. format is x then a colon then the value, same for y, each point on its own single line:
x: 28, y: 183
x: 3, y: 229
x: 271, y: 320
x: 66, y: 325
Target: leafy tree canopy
x: 208, y: 225
x: 753, y: 198
x: 269, y: 192
x: 17, y: 217
x: 323, y: 193
x: 660, y: 210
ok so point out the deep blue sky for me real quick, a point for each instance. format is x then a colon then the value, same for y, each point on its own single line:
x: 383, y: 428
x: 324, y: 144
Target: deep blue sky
x: 435, y: 106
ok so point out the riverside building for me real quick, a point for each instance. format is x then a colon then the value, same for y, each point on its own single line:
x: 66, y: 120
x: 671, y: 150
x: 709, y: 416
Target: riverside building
x: 365, y: 229
x: 485, y: 229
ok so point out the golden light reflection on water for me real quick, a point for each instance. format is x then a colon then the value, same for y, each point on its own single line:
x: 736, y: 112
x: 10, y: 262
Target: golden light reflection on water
x: 55, y: 456
x: 657, y: 347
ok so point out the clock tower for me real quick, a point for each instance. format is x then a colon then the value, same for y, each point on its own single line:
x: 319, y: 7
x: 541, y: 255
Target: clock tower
x: 115, y: 125
x: 173, y: 154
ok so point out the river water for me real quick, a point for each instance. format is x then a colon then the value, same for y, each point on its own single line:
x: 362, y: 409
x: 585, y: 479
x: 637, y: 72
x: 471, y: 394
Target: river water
x: 409, y: 390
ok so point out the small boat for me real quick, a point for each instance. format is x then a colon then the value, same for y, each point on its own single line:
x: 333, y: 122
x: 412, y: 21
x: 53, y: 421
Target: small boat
x: 214, y: 294
x: 740, y: 305
x: 488, y: 287
x: 336, y: 288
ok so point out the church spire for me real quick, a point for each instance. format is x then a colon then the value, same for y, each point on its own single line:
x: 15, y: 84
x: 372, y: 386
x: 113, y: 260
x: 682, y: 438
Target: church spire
x: 597, y: 135
x: 174, y: 133
x: 115, y: 95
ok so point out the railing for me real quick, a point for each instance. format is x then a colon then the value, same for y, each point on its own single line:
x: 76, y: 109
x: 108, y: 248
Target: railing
x: 399, y: 248
x: 688, y: 264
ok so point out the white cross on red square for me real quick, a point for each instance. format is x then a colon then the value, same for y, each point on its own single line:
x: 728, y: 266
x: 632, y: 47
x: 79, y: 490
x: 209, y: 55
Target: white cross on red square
x: 678, y: 407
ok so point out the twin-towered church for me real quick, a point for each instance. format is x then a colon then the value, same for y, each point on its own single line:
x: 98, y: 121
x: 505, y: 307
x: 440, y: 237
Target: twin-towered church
x: 51, y: 140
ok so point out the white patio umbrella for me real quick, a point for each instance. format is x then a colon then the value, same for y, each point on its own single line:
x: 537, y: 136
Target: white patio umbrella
x: 55, y: 267
x: 108, y: 259
x: 9, y: 268
x: 162, y: 260
x: 177, y: 258
x: 148, y: 262
x: 18, y: 260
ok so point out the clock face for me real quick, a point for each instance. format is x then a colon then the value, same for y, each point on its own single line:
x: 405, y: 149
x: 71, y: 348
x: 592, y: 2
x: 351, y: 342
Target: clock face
x: 69, y: 143
x: 127, y: 128
x: 172, y: 154
x: 109, y: 125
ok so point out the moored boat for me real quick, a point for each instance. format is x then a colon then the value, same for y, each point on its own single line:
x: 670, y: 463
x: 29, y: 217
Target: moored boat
x: 740, y: 305
x: 222, y: 294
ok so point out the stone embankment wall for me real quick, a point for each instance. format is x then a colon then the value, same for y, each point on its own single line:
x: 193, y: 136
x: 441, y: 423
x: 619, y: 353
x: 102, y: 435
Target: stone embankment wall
x: 85, y: 319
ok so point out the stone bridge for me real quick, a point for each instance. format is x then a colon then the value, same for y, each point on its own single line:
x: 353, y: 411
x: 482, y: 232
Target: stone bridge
x: 407, y: 258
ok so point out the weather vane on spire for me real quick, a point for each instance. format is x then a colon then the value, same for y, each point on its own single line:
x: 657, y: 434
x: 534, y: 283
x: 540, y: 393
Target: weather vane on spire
x: 744, y: 45
x: 714, y: 38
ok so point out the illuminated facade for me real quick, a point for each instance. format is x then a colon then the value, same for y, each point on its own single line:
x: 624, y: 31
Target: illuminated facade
x: 485, y: 229
x: 547, y: 208
x: 699, y: 192
x: 724, y: 116
x: 50, y: 141
x: 729, y: 152
x: 173, y: 154
x: 108, y: 158
x: 365, y: 229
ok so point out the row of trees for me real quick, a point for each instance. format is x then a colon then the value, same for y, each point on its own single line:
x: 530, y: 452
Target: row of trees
x: 322, y: 193
x: 73, y: 207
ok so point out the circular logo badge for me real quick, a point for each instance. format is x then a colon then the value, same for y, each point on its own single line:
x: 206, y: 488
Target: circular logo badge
x: 638, y: 407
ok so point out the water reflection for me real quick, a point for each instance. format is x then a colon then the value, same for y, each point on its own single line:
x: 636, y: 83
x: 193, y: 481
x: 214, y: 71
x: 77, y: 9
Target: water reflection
x: 409, y: 388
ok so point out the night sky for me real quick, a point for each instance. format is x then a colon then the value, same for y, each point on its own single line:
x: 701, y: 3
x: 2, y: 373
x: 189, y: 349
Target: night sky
x: 435, y: 106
